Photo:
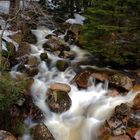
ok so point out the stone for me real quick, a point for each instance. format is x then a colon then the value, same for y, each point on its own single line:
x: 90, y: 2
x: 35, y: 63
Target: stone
x: 41, y: 132
x: 136, y: 102
x: 60, y: 87
x: 137, y: 135
x: 24, y: 49
x: 55, y: 44
x: 136, y: 88
x: 100, y: 76
x: 62, y: 65
x: 121, y: 80
x: 113, y: 92
x: 82, y: 79
x: 5, y: 135
x: 44, y: 56
x: 32, y: 61
x: 31, y: 71
x: 121, y: 137
x: 58, y: 101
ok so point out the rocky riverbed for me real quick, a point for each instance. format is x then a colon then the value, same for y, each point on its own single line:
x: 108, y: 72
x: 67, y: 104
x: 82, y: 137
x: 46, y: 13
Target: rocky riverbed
x: 67, y: 97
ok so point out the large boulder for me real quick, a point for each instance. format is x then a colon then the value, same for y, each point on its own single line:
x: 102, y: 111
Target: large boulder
x: 41, y: 132
x: 56, y: 44
x: 58, y: 99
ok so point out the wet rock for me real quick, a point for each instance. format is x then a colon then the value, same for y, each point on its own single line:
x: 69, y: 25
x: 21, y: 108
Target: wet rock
x: 68, y: 55
x: 136, y: 88
x: 134, y: 119
x: 122, y: 137
x: 41, y: 132
x: 122, y: 110
x: 82, y: 79
x: 136, y: 102
x: 70, y: 37
x: 29, y: 37
x: 29, y: 71
x: 44, y: 57
x: 58, y: 101
x: 30, y: 110
x: 121, y: 80
x: 5, y: 135
x: 55, y: 44
x: 132, y: 131
x: 60, y: 87
x: 24, y: 49
x: 100, y: 76
x: 62, y: 65
x: 32, y: 61
x: 137, y: 135
x: 119, y: 120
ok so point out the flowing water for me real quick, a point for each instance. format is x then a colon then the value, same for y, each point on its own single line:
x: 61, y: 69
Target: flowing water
x: 89, y: 108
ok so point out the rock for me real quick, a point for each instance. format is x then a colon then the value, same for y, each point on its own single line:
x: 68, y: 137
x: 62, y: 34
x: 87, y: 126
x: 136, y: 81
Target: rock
x: 62, y: 65
x: 132, y: 131
x: 82, y: 79
x: 113, y: 92
x: 55, y: 44
x: 122, y: 137
x: 32, y: 61
x: 60, y: 87
x: 136, y: 101
x: 24, y: 49
x: 5, y: 135
x: 121, y: 80
x: 122, y: 110
x: 44, y: 57
x: 30, y: 110
x: 68, y: 55
x: 70, y: 37
x: 41, y: 132
x: 119, y: 120
x: 134, y: 119
x: 32, y: 71
x: 137, y: 135
x: 136, y: 88
x: 100, y: 76
x: 58, y: 101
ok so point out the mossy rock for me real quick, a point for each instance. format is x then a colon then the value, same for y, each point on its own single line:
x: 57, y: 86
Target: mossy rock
x: 62, y: 65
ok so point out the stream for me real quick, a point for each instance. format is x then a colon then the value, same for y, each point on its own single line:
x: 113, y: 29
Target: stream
x: 90, y: 107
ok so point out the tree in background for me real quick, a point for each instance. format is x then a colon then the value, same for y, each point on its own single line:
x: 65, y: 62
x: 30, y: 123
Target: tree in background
x: 112, y: 31
x: 14, y: 6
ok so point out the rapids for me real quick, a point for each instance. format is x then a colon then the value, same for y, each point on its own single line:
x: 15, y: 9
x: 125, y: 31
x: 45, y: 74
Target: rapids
x: 90, y: 107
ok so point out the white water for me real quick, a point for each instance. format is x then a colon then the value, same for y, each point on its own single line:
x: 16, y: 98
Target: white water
x: 89, y: 107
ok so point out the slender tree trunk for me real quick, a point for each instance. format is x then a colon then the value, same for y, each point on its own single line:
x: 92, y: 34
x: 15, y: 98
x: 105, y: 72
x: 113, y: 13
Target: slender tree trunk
x: 14, y: 6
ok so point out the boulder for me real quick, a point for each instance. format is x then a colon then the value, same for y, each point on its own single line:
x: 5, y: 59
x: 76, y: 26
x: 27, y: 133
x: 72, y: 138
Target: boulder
x: 60, y: 87
x: 82, y: 79
x: 44, y: 56
x: 32, y: 61
x: 5, y: 135
x: 137, y: 135
x: 136, y: 101
x: 121, y: 137
x: 55, y: 44
x: 121, y: 81
x: 24, y: 49
x: 41, y: 132
x: 58, y: 99
x: 100, y: 76
x: 62, y: 65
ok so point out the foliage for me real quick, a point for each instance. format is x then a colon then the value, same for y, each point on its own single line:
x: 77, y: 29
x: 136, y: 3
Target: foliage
x: 112, y: 31
x: 10, y: 91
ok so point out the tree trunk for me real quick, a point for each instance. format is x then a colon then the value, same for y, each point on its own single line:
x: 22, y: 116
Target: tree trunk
x: 14, y: 6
